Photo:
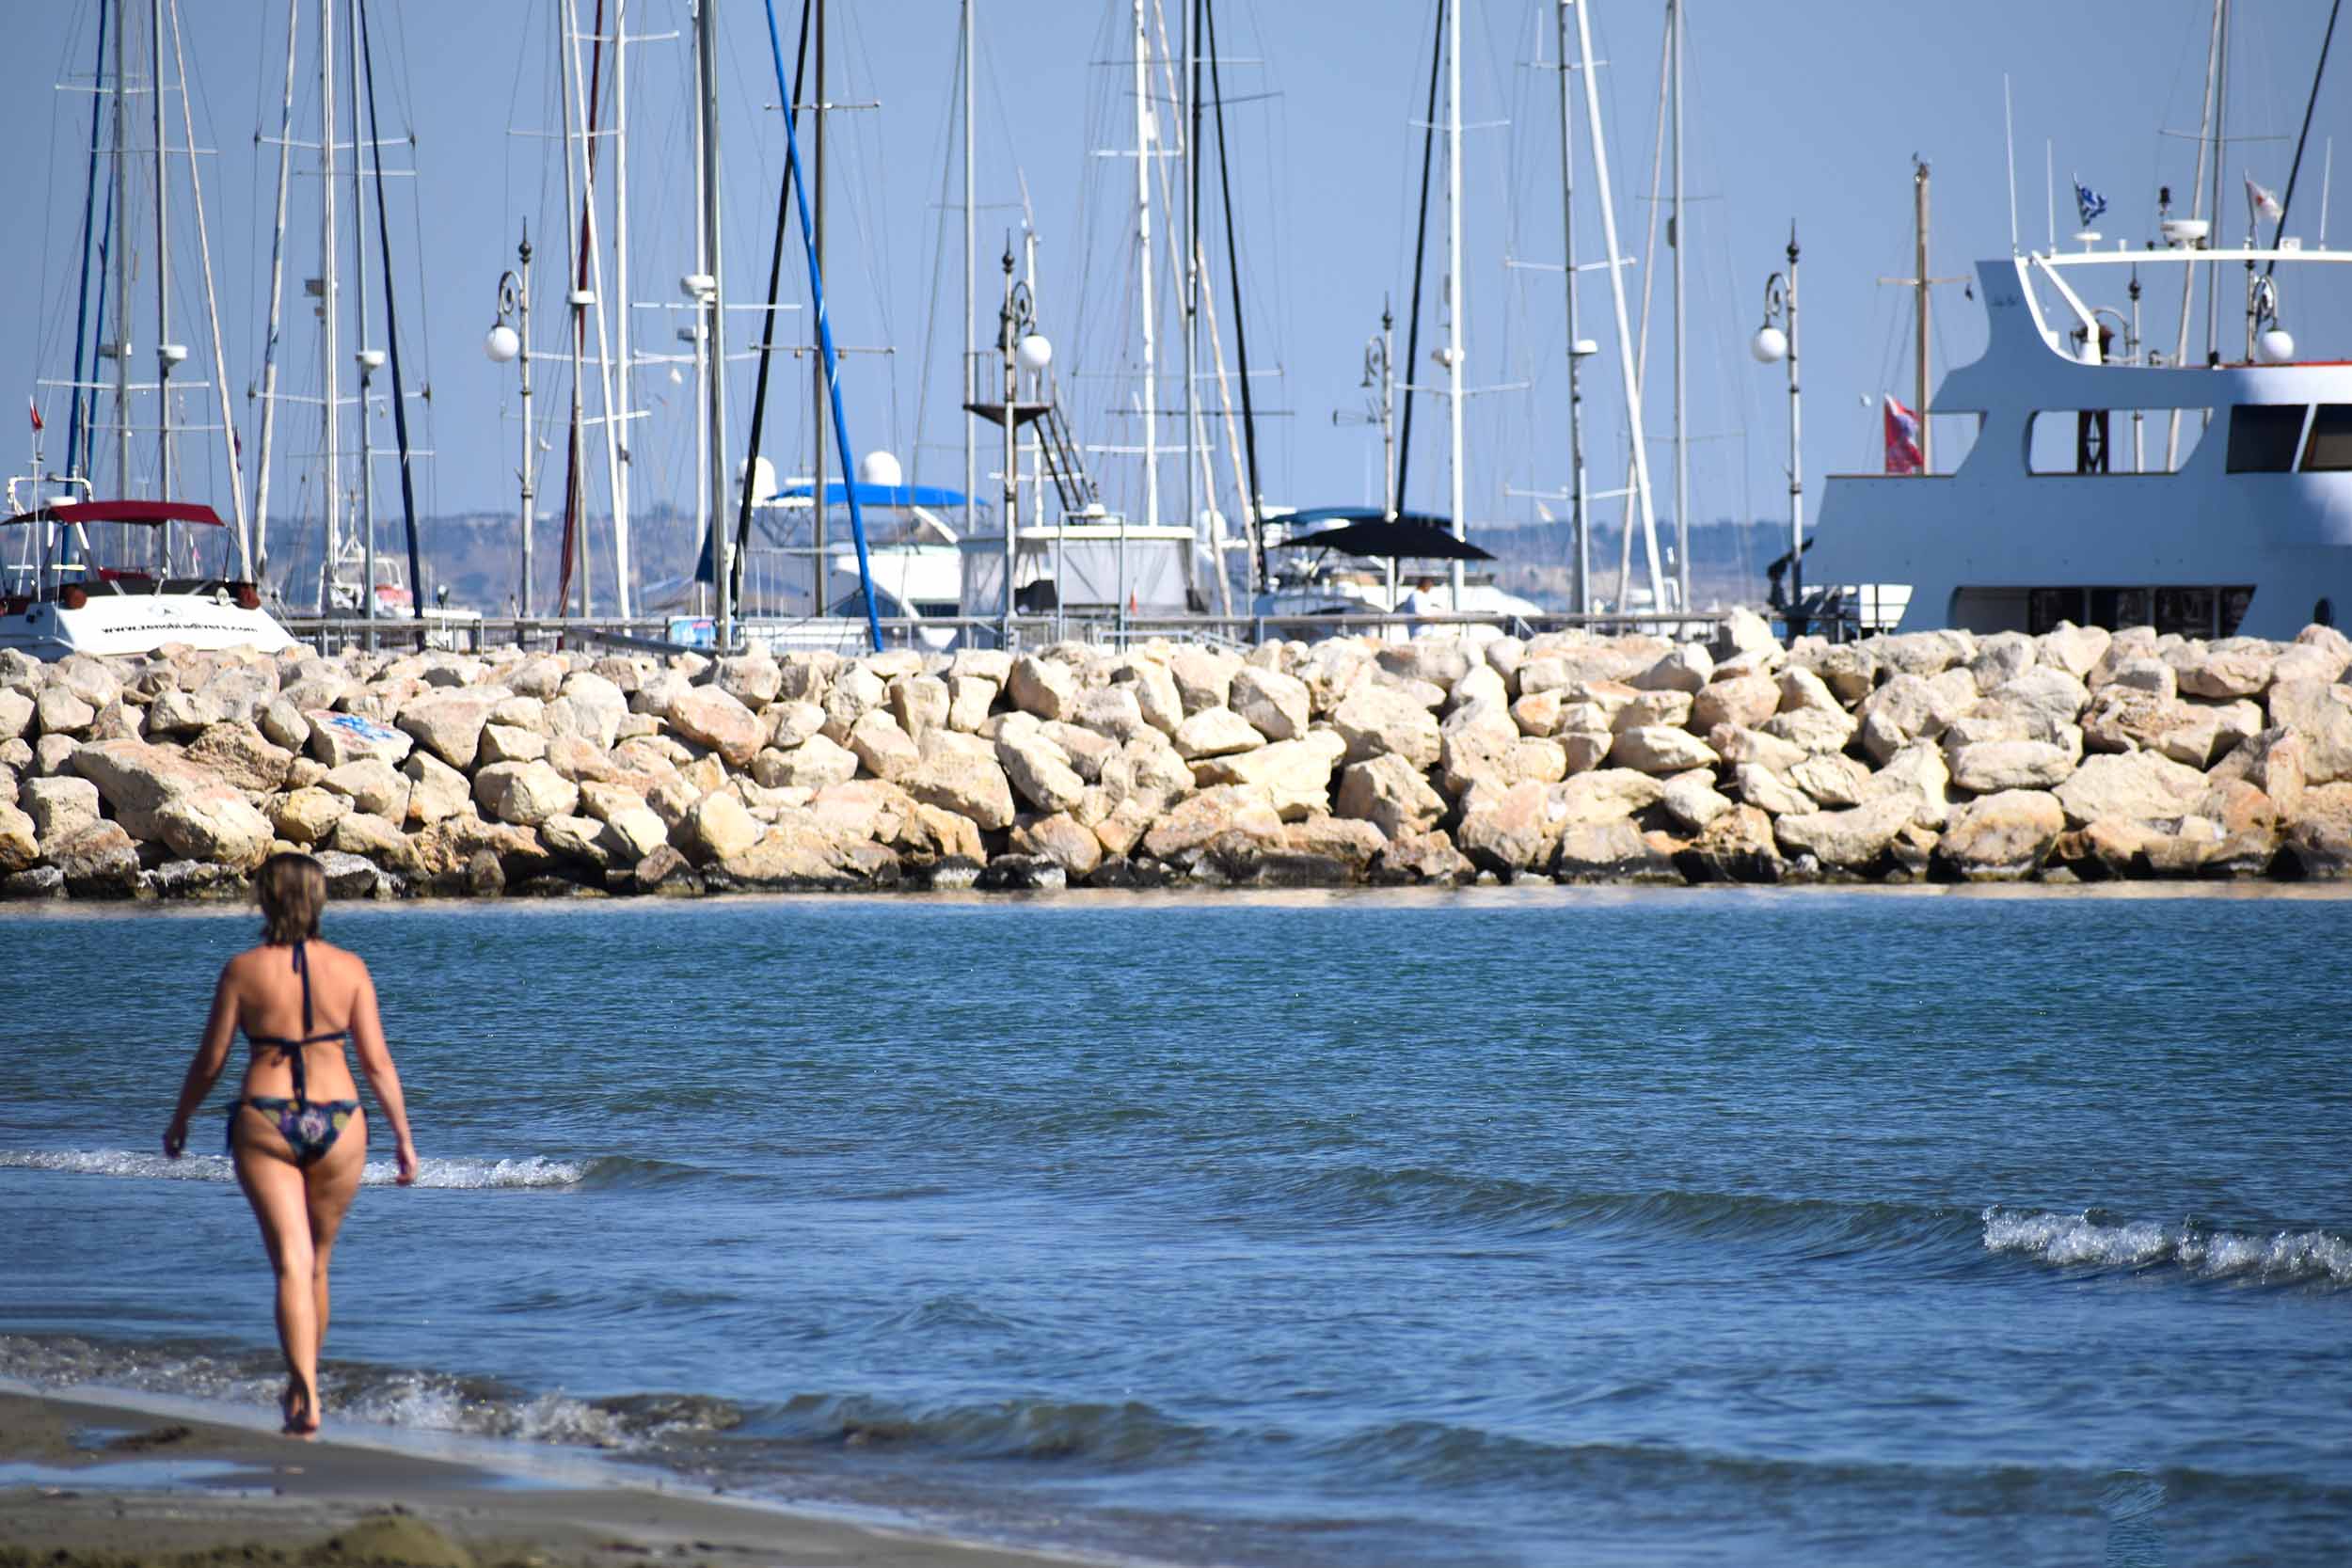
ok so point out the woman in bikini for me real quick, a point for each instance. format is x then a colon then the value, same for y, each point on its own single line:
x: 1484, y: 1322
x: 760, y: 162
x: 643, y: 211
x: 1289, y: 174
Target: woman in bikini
x: 295, y: 1129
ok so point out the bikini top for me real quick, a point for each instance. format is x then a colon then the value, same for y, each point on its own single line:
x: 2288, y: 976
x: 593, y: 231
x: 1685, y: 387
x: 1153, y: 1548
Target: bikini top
x: 290, y: 1050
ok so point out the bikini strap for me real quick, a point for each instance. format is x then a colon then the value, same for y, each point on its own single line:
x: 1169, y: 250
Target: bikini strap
x: 295, y: 1051
x: 302, y: 968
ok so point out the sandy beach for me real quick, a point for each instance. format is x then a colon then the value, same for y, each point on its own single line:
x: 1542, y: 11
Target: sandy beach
x: 115, y: 1484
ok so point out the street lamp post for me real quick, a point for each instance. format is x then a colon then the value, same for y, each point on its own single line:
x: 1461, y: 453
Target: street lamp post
x: 505, y: 342
x: 1771, y: 343
x: 1023, y: 349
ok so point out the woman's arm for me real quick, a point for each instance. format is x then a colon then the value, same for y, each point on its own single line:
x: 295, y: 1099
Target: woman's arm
x: 212, y: 1054
x: 375, y: 1060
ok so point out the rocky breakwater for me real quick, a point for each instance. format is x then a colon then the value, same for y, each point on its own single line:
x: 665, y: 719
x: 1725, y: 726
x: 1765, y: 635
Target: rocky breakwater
x: 2072, y: 756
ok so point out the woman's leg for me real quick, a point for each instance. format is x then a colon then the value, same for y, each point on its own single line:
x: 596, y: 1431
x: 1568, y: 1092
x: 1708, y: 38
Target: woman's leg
x: 274, y: 1186
x: 331, y: 1184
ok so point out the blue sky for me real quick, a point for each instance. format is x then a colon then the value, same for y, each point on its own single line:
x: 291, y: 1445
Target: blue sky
x: 1808, y: 112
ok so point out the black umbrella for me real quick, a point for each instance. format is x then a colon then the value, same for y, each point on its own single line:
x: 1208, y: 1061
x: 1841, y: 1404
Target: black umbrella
x: 1368, y: 531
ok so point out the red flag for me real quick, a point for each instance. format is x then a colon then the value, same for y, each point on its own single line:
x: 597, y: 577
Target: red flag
x: 1903, y: 439
x: 34, y: 404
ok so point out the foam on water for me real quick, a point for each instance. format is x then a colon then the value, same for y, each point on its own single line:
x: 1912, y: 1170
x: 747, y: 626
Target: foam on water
x: 2079, y: 1240
x: 533, y: 1171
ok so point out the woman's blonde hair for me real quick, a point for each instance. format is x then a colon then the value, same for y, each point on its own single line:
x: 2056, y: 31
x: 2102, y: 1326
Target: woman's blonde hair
x: 292, y: 890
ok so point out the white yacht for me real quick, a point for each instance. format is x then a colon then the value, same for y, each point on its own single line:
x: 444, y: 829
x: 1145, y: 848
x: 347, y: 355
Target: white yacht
x: 56, y: 599
x: 2110, y: 489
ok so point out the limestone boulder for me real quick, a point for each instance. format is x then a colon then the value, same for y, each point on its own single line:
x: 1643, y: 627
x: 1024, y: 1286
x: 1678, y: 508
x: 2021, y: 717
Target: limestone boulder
x: 1376, y: 720
x: 1736, y: 846
x: 2232, y: 667
x: 1850, y: 838
x: 2001, y: 658
x: 716, y: 828
x: 2319, y: 831
x: 2140, y: 785
x: 753, y: 679
x: 1516, y: 829
x: 336, y: 738
x: 1062, y: 839
x: 1994, y: 766
x: 1687, y: 667
x: 2272, y: 762
x: 1666, y: 708
x: 969, y: 700
x: 1039, y: 770
x: 2154, y: 676
x: 1658, y: 748
x: 448, y: 723
x: 58, y: 806
x: 1214, y: 732
x: 1294, y: 775
x: 882, y: 747
x: 1111, y: 712
x: 1768, y: 792
x: 2320, y: 712
x: 2073, y: 649
x: 1831, y: 780
x: 1157, y: 696
x: 791, y: 723
x: 1046, y: 688
x: 966, y: 780
x: 813, y: 765
x: 1604, y: 795
x: 524, y: 793
x: 1192, y: 825
x: 58, y: 711
x: 630, y: 834
x: 1812, y: 729
x: 1347, y: 842
x: 308, y: 815
x: 919, y: 704
x: 1745, y: 701
x: 372, y: 784
x: 1694, y: 802
x: 1613, y: 852
x: 241, y: 755
x: 589, y: 706
x: 215, y: 825
x: 16, y: 714
x: 436, y: 790
x: 1390, y: 794
x: 709, y: 717
x: 2001, y: 837
x: 96, y: 861
x: 1800, y: 688
x: 2247, y: 824
x: 1736, y: 745
x: 20, y: 843
x: 1275, y: 704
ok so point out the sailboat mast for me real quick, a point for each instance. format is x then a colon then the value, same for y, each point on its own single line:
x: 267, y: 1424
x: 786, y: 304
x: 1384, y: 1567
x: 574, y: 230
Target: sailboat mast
x: 163, y: 267
x: 1453, y: 278
x: 971, y: 305
x: 622, y: 411
x: 1674, y: 227
x: 714, y: 316
x: 359, y: 150
x: 818, y: 576
x: 1143, y: 280
x: 1186, y: 81
x: 2220, y: 144
x: 276, y: 297
x: 212, y: 304
x: 1926, y: 291
x: 330, y: 489
x: 703, y: 521
x: 2196, y: 209
x: 1616, y: 300
x: 122, y: 256
x: 1579, y: 520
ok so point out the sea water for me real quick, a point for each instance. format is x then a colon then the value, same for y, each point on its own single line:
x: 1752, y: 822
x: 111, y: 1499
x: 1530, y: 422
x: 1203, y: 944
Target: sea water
x: 1490, y: 1228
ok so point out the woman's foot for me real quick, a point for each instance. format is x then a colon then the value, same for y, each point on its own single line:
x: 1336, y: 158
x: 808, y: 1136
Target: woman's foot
x: 299, y: 1409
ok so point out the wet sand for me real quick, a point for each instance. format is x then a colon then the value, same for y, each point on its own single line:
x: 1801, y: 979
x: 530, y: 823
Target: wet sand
x: 103, y: 1486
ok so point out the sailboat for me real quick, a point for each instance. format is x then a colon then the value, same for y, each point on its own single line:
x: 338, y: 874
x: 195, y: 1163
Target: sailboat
x: 122, y: 573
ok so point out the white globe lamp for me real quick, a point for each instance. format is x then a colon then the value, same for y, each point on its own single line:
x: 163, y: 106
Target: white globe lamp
x: 1770, y: 345
x: 1034, y: 353
x: 880, y: 470
x: 502, y: 343
x: 2276, y: 346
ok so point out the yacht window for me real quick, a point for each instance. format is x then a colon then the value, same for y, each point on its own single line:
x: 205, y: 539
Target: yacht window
x: 2264, y: 436
x: 2110, y: 440
x: 2330, y: 448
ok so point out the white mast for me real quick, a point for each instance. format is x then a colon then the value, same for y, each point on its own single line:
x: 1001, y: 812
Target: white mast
x: 1674, y: 233
x: 2195, y: 210
x: 329, y: 491
x: 614, y: 487
x: 122, y: 256
x: 695, y: 335
x: 1143, y: 280
x: 1453, y: 276
x: 277, y: 293
x: 723, y: 545
x: 1580, y: 518
x: 164, y: 345
x: 2220, y: 133
x: 971, y: 322
x: 567, y: 71
x: 211, y: 306
x: 620, y: 292
x: 361, y: 146
x: 1616, y: 300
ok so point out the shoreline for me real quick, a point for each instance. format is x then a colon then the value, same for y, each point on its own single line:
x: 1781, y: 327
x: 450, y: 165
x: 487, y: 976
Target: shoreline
x: 102, y: 1477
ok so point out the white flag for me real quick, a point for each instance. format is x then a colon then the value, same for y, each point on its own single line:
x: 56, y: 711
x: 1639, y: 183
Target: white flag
x: 2263, y: 203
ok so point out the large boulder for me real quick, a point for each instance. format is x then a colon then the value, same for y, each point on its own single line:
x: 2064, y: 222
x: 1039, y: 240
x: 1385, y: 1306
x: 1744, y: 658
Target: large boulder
x: 372, y: 784
x: 1514, y: 831
x: 1039, y: 770
x: 1686, y: 667
x: 1850, y: 838
x: 1657, y: 749
x: 20, y: 843
x: 96, y: 861
x: 716, y: 828
x: 2320, y: 712
x: 2001, y: 837
x: 1295, y: 774
x: 58, y: 806
x: 1062, y: 839
x: 1216, y: 732
x: 1156, y: 694
x: 336, y: 738
x: 589, y: 706
x: 1605, y: 794
x: 1390, y: 794
x: 308, y: 814
x: 883, y: 749
x: 1046, y: 688
x: 812, y: 765
x: 1615, y: 852
x: 709, y: 717
x: 1993, y: 767
x: 2319, y: 831
x: 524, y: 793
x: 1275, y: 704
x: 448, y: 723
x: 1376, y: 720
x: 436, y: 790
x: 2272, y: 762
x: 960, y: 774
x: 2140, y: 785
x: 1745, y: 701
x: 1192, y: 825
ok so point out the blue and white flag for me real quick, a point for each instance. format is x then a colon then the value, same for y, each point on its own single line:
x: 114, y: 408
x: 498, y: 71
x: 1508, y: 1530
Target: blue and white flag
x: 2090, y: 203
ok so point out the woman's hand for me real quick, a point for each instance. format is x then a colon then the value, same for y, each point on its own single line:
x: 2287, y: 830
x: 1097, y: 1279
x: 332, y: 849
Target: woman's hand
x: 175, y: 1137
x: 406, y: 1158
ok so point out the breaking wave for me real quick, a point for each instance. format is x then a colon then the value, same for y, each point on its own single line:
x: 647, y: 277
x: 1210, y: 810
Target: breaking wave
x: 2282, y: 1257
x: 533, y: 1171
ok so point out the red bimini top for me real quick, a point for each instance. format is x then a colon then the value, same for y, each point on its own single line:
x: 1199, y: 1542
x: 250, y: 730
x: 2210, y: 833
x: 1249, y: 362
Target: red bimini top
x: 121, y: 511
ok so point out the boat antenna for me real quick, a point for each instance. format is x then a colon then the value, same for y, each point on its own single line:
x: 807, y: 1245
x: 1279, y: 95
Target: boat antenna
x: 1241, y: 328
x: 1420, y: 250
x: 2008, y: 138
x: 767, y: 353
x: 75, y: 462
x: 2319, y: 71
